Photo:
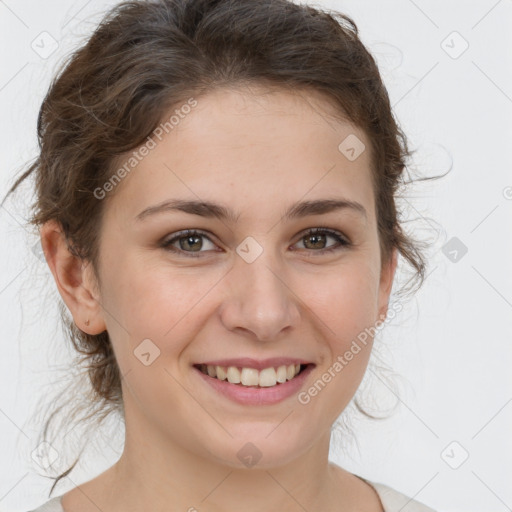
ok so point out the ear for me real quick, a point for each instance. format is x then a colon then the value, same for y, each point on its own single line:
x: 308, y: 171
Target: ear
x: 75, y: 280
x: 386, y: 283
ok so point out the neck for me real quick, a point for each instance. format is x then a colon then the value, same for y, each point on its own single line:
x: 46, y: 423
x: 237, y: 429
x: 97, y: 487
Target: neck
x: 156, y: 473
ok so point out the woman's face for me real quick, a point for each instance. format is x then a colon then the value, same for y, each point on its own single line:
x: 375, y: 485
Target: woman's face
x: 253, y: 284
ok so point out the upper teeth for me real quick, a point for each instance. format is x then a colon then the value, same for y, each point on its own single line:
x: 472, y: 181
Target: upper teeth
x: 252, y: 377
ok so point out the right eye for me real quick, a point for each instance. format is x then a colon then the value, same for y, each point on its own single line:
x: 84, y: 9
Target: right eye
x: 188, y: 239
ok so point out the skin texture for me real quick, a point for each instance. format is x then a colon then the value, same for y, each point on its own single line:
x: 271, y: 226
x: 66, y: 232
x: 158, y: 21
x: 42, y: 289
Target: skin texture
x: 256, y: 152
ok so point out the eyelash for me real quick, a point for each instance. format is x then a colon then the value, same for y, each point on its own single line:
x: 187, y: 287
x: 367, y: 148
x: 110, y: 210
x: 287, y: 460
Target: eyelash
x: 342, y: 241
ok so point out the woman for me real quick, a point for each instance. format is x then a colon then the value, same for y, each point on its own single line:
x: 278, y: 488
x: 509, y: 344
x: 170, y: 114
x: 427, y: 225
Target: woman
x: 215, y: 196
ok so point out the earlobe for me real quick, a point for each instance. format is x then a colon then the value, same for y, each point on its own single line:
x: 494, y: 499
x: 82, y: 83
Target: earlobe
x: 72, y: 278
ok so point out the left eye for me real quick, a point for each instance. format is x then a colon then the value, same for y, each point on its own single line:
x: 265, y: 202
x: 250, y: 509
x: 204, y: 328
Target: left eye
x: 190, y: 241
x: 317, y: 235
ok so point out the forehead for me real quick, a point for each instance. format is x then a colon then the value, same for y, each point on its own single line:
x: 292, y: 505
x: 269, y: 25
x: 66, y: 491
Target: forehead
x: 245, y: 146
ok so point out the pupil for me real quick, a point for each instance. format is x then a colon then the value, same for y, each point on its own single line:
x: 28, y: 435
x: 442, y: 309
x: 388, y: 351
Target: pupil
x: 316, y: 238
x: 188, y: 240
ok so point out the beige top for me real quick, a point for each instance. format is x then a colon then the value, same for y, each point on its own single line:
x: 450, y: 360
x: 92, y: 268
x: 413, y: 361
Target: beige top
x: 392, y: 501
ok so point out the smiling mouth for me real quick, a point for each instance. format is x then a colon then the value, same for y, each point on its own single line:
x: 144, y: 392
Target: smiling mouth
x: 251, y: 377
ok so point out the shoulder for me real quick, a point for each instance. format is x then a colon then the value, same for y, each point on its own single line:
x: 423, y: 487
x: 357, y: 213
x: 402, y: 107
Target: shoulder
x: 394, y: 501
x: 53, y: 505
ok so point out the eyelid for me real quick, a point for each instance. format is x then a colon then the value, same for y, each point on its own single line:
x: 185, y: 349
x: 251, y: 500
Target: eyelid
x: 325, y: 229
x: 343, y: 241
x: 166, y: 244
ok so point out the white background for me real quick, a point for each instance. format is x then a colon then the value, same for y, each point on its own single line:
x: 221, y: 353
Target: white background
x: 451, y: 345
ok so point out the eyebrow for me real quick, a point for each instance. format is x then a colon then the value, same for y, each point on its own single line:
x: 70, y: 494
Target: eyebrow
x: 213, y: 210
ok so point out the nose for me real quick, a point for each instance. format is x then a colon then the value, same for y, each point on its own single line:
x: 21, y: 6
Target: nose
x: 259, y: 300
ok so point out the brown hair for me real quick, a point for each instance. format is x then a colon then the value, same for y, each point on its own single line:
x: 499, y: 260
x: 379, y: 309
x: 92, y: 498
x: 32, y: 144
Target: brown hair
x: 147, y: 56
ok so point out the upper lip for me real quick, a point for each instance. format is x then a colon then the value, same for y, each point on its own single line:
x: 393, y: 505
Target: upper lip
x: 258, y: 364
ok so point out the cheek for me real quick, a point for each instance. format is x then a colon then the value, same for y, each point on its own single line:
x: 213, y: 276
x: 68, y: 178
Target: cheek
x: 344, y: 307
x: 345, y: 301
x: 156, y: 303
x: 153, y: 299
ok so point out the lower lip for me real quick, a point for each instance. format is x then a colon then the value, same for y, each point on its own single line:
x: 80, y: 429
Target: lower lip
x: 257, y: 396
